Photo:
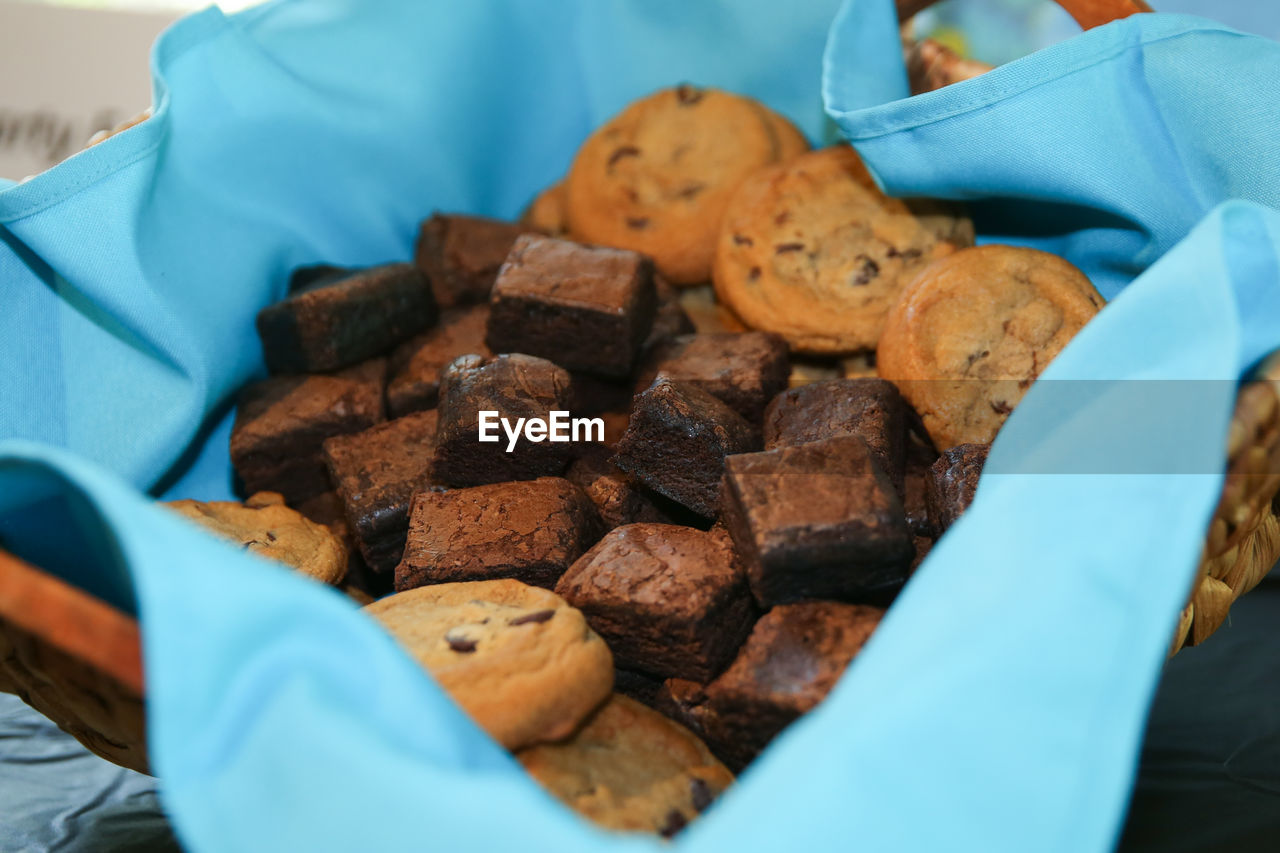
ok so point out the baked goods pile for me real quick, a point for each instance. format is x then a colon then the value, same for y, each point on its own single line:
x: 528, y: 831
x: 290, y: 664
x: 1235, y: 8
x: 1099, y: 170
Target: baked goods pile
x: 796, y: 378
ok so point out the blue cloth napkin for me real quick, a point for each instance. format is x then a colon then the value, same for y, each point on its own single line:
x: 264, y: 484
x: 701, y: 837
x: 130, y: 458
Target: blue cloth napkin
x: 999, y: 707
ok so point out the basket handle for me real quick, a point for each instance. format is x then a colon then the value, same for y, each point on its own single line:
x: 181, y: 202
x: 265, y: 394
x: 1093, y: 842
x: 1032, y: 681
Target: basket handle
x: 1088, y: 13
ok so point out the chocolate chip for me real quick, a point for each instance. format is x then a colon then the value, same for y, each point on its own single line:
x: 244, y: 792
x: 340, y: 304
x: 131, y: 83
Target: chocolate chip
x: 673, y: 824
x: 870, y: 269
x: 271, y: 537
x: 743, y: 240
x: 701, y: 793
x: 460, y: 644
x: 623, y: 151
x: 691, y: 190
x: 251, y: 542
x: 532, y: 618
x: 1000, y: 407
x: 788, y: 247
x: 782, y: 218
x: 1093, y: 301
x: 975, y: 357
x: 637, y: 222
x: 688, y: 94
x: 908, y: 255
x: 753, y: 273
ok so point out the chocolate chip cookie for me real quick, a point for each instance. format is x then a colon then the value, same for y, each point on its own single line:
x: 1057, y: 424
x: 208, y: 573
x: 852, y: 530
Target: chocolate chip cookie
x: 974, y: 330
x: 810, y: 249
x: 517, y: 658
x: 656, y: 177
x: 546, y: 212
x: 265, y: 526
x: 630, y: 768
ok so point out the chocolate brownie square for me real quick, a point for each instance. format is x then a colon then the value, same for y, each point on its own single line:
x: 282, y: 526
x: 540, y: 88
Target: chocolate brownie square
x: 326, y: 508
x: 638, y: 686
x: 515, y: 387
x: 677, y: 440
x: 818, y: 520
x: 670, y: 601
x: 871, y: 409
x: 413, y: 368
x: 461, y: 255
x: 587, y: 308
x: 743, y: 370
x: 915, y: 487
x: 531, y: 531
x: 670, y: 319
x: 953, y: 481
x: 795, y: 655
x: 376, y: 473
x: 339, y: 322
x: 318, y: 275
x: 282, y: 421
x: 619, y: 499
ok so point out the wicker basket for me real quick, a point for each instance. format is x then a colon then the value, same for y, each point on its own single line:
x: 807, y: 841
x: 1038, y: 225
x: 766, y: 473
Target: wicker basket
x: 78, y: 660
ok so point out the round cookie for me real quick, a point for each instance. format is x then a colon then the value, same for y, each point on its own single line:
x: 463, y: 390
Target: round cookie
x: 630, y: 768
x: 517, y: 658
x: 546, y: 212
x: 812, y: 250
x: 265, y: 526
x: 974, y: 330
x: 656, y: 178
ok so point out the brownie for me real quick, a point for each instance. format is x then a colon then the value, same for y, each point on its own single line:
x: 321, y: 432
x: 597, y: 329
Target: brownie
x: 282, y: 421
x: 615, y: 426
x: 515, y: 386
x: 743, y: 370
x: 677, y: 440
x: 326, y: 508
x: 346, y: 320
x: 915, y: 487
x: 594, y: 395
x: 317, y: 275
x: 376, y: 473
x: 619, y: 499
x: 953, y: 481
x: 461, y: 255
x: 638, y: 686
x: 670, y: 319
x: 795, y: 655
x: 923, y: 546
x: 413, y: 368
x: 670, y: 601
x: 818, y: 520
x: 531, y: 531
x: 587, y: 308
x: 871, y: 409
x: 686, y: 702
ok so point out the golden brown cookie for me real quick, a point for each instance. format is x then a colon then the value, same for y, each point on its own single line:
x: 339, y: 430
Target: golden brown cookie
x: 517, y: 658
x: 707, y: 315
x: 808, y: 372
x: 546, y: 212
x: 974, y: 330
x: 630, y: 768
x: 810, y: 249
x: 860, y: 365
x: 656, y: 177
x: 265, y: 526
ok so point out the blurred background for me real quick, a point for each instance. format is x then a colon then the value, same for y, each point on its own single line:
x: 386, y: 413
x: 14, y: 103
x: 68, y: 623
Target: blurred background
x: 71, y: 68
